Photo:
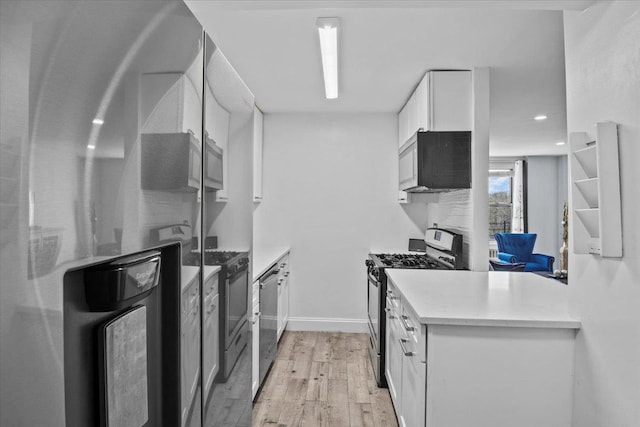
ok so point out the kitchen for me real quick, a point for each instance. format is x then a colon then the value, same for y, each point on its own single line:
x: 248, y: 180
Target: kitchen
x: 331, y: 221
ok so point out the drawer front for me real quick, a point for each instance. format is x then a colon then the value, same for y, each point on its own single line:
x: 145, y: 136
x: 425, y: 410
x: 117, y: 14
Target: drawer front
x: 415, y: 332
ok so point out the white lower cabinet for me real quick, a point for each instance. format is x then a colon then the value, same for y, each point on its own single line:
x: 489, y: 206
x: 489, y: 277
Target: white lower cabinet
x: 493, y: 376
x: 405, y: 362
x: 190, y: 345
x: 255, y: 339
x: 210, y: 333
x: 393, y: 355
x: 414, y: 370
x: 283, y: 294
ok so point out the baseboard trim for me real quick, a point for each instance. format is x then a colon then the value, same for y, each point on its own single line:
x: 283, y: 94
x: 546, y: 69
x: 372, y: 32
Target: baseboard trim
x: 327, y: 324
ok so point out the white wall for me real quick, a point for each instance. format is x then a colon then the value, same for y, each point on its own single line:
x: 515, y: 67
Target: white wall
x: 330, y: 193
x: 603, y: 83
x: 546, y: 194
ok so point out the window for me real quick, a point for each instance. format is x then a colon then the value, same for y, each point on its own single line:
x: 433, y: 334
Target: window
x: 500, y: 202
x: 507, y: 196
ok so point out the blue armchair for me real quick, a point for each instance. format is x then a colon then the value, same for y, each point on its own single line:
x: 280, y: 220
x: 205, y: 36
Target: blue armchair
x: 518, y: 248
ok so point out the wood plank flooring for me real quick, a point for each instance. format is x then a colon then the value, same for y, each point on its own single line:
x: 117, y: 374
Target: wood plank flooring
x: 323, y: 379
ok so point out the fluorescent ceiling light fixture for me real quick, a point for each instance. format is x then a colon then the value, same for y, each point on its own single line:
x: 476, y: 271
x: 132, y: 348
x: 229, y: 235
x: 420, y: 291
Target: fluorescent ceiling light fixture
x: 98, y: 121
x: 499, y: 170
x: 91, y: 147
x: 328, y: 32
x: 540, y: 117
x: 560, y: 143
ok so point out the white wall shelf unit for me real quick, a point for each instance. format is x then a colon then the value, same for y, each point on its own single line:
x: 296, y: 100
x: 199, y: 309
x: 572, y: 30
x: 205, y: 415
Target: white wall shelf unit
x: 595, y: 177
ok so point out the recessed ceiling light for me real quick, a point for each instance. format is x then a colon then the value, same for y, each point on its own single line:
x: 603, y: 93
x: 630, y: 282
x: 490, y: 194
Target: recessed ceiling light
x: 328, y: 33
x: 98, y: 121
x: 540, y: 117
x: 560, y: 143
x: 91, y: 147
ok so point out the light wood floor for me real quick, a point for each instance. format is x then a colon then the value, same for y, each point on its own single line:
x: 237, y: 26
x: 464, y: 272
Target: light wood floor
x: 323, y: 379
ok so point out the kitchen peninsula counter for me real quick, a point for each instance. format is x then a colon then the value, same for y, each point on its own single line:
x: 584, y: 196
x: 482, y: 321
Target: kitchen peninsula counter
x: 495, y: 298
x: 498, y: 344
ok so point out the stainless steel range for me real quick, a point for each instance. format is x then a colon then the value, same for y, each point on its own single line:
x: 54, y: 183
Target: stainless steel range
x: 443, y: 251
x: 234, y: 290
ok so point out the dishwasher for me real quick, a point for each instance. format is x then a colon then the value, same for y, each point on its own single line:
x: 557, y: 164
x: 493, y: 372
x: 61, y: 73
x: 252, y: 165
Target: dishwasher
x: 268, y: 320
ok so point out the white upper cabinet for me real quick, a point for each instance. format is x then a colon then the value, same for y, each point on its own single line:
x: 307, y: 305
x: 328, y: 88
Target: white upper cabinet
x: 412, y: 115
x: 403, y: 125
x: 441, y: 102
x: 257, y: 153
x: 170, y: 103
x: 450, y: 107
x: 217, y: 128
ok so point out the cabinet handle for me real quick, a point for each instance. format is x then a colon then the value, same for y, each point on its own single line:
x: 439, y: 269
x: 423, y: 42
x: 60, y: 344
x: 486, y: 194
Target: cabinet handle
x: 407, y: 328
x: 280, y: 280
x: 404, y: 349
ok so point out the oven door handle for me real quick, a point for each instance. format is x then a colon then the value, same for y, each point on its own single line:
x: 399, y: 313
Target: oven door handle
x: 269, y: 274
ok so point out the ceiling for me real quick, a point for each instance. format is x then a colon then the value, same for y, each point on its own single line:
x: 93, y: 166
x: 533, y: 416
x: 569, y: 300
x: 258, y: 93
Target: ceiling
x: 385, y: 48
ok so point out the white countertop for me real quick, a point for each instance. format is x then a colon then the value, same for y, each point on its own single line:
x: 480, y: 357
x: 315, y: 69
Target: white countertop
x: 264, y: 258
x: 494, y: 298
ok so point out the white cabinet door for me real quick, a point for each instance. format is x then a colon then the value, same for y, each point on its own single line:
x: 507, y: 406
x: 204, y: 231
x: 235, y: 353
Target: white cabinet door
x: 413, y: 390
x: 408, y: 166
x: 285, y: 300
x: 255, y: 339
x: 210, y: 336
x: 258, y: 122
x: 393, y: 357
x: 422, y: 104
x: 219, y: 117
x: 451, y: 101
x: 414, y: 375
x: 190, y: 345
x: 412, y: 115
x: 170, y: 103
x: 403, y: 126
x: 283, y: 295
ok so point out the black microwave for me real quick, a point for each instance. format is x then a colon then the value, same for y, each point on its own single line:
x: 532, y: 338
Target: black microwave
x: 435, y: 162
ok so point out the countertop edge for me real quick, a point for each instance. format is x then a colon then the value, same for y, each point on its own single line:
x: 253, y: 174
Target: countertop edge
x: 505, y: 323
x: 264, y: 259
x: 567, y: 322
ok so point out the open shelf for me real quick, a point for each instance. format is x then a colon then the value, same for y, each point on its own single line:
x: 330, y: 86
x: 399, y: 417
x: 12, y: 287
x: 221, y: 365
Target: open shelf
x: 596, y: 198
x: 591, y: 220
x: 589, y: 190
x: 587, y: 157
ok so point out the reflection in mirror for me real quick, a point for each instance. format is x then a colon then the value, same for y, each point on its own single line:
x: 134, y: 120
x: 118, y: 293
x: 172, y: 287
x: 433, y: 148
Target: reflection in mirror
x: 227, y: 231
x: 101, y: 118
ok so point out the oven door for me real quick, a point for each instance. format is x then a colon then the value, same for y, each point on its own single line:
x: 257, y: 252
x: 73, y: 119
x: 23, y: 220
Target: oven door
x: 373, y: 310
x: 237, y: 290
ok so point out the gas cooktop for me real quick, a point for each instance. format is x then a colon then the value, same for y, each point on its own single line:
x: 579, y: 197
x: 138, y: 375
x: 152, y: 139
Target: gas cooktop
x: 216, y: 257
x: 405, y: 261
